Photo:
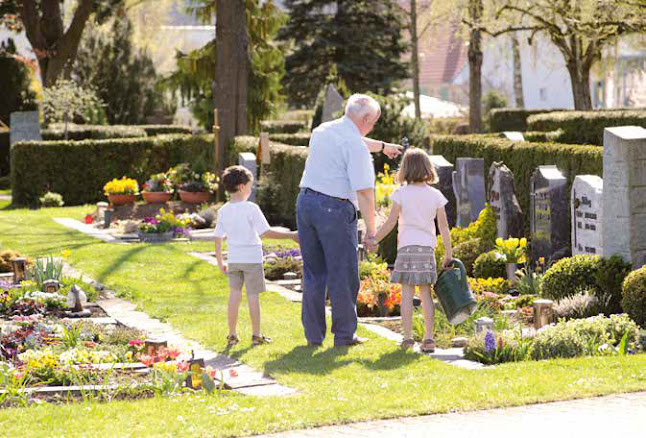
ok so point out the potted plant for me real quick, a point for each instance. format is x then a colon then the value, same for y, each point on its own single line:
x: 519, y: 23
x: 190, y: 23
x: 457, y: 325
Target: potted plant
x: 121, y: 191
x: 158, y: 189
x: 512, y: 250
x: 163, y: 227
x: 193, y: 187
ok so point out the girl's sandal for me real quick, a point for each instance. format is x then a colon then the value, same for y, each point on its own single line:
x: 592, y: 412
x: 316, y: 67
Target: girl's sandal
x: 260, y: 340
x: 407, y: 343
x: 428, y: 346
x: 232, y: 340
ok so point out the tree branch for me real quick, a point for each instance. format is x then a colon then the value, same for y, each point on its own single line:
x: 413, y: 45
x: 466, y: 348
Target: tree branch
x: 32, y: 24
x: 70, y: 40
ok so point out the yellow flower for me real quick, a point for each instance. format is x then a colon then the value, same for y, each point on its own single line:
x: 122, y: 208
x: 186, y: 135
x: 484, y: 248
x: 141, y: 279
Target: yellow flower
x: 499, y: 241
x: 523, y: 242
x: 66, y: 253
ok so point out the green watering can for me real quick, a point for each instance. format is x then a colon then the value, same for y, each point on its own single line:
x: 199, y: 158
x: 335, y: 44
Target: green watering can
x: 454, y: 294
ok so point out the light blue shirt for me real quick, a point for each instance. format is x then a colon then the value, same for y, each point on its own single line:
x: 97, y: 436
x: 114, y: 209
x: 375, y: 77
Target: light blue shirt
x: 339, y: 162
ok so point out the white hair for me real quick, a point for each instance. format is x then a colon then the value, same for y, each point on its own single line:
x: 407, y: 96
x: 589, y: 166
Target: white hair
x: 361, y: 105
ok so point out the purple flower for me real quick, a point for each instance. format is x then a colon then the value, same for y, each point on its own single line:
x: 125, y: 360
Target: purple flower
x: 151, y: 220
x: 490, y: 342
x: 289, y: 253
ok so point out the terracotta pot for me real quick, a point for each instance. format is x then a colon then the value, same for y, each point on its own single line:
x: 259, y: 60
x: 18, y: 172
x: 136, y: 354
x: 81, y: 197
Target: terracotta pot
x: 156, y: 197
x: 122, y: 199
x: 194, y: 197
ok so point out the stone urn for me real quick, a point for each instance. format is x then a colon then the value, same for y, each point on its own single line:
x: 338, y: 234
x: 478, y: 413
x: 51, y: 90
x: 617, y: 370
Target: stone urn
x: 511, y: 272
x: 156, y: 197
x: 122, y: 199
x: 194, y: 197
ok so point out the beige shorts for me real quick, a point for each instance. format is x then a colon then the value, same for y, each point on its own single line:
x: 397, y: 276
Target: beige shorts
x: 251, y: 275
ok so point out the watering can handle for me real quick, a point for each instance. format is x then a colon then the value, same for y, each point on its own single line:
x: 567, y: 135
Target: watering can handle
x: 459, y: 264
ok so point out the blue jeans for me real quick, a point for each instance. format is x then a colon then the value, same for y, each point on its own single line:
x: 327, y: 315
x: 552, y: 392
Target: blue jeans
x: 327, y: 230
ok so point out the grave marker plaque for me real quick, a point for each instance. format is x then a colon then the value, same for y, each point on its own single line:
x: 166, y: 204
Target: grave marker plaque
x: 513, y: 135
x: 586, y: 212
x: 444, y: 171
x: 25, y: 126
x: 248, y: 160
x: 549, y: 222
x: 469, y: 189
x: 332, y: 104
x: 502, y: 199
x: 624, y: 194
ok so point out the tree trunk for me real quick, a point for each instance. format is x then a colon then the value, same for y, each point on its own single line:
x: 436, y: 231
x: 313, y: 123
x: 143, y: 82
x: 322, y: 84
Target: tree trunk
x: 475, y: 67
x: 518, y: 72
x: 580, y: 79
x: 415, y: 57
x: 231, y: 75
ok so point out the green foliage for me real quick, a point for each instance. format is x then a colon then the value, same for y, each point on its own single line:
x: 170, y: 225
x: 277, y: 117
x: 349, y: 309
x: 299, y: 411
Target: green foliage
x: 493, y: 100
x: 543, y: 137
x: 125, y: 79
x: 275, y: 270
x: 570, y: 275
x: 507, y: 346
x: 371, y: 28
x: 51, y: 199
x: 585, y: 127
x: 468, y: 252
x: 47, y: 269
x: 367, y: 267
x: 15, y: 92
x: 489, y: 264
x: 580, y: 305
x: 282, y: 126
x: 57, y: 131
x: 66, y: 101
x: 297, y: 139
x: 78, y: 170
x: 610, y: 275
x: 512, y: 119
x: 522, y: 158
x: 634, y: 296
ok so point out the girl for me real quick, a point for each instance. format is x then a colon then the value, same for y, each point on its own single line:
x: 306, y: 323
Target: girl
x: 415, y: 207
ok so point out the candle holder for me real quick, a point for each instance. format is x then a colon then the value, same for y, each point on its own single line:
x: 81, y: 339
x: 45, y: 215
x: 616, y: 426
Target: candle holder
x: 51, y: 286
x: 19, y: 265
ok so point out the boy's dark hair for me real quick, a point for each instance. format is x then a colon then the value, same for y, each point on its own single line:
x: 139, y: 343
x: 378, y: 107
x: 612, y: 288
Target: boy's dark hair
x: 233, y: 176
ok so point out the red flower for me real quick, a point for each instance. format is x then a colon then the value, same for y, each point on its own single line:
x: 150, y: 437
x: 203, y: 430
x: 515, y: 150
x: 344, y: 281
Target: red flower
x: 233, y: 373
x: 135, y: 343
x: 172, y: 353
x: 146, y: 359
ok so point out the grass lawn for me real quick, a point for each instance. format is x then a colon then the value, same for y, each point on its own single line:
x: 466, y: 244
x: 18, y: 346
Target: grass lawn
x: 375, y: 380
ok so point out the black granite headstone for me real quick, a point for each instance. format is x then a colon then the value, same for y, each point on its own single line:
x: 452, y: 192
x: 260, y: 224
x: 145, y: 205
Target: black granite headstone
x: 444, y: 171
x: 469, y: 189
x: 503, y: 201
x: 549, y: 218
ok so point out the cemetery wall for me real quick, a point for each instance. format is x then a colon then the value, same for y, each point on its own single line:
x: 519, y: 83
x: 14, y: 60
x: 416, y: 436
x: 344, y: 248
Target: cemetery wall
x: 512, y: 119
x: 522, y: 159
x: 78, y: 170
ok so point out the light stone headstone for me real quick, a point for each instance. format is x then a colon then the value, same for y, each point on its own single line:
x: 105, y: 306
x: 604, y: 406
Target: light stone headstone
x: 469, y: 189
x: 586, y: 212
x: 444, y: 171
x: 333, y: 103
x: 248, y: 160
x: 513, y: 135
x: 549, y: 214
x: 25, y: 126
x: 624, y: 194
x: 503, y: 201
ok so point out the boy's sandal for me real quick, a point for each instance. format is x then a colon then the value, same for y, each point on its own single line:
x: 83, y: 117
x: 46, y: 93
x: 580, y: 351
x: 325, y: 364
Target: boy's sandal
x: 260, y: 340
x: 407, y: 343
x: 428, y: 346
x: 232, y: 340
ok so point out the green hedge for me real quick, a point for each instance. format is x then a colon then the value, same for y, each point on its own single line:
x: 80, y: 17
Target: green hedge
x: 512, y: 119
x: 56, y: 132
x: 4, y: 152
x: 585, y: 127
x: 298, y: 139
x: 283, y: 126
x: 78, y: 170
x: 522, y: 158
x: 154, y: 130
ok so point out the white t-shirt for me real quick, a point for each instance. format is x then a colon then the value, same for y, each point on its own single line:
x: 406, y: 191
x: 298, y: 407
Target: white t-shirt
x: 419, y: 204
x: 242, y: 223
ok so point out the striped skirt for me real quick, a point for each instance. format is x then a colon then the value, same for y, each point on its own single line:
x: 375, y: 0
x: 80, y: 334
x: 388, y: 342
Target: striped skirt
x: 415, y: 265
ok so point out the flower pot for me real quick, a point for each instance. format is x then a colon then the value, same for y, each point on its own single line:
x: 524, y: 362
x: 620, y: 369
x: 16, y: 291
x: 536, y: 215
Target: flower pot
x: 122, y: 199
x: 155, y: 237
x: 156, y: 197
x: 194, y: 197
x: 511, y: 272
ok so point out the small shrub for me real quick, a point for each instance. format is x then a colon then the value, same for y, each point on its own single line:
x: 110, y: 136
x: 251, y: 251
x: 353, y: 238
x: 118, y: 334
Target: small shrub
x: 367, y: 267
x: 633, y: 300
x: 581, y: 305
x: 275, y: 270
x: 468, y: 252
x: 570, y: 275
x: 51, y: 199
x: 489, y: 264
x: 609, y: 278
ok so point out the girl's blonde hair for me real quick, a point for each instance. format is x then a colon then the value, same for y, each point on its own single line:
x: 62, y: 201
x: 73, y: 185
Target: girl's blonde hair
x: 416, y: 167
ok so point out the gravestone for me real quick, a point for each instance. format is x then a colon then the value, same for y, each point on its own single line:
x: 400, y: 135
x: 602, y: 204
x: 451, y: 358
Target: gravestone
x: 503, y: 201
x: 624, y: 194
x: 25, y: 126
x: 444, y: 171
x: 248, y: 161
x: 586, y: 212
x: 513, y: 135
x: 549, y: 210
x: 332, y: 104
x: 469, y: 189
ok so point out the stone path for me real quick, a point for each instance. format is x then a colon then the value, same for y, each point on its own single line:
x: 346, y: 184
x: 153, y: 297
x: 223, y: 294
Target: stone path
x: 622, y: 415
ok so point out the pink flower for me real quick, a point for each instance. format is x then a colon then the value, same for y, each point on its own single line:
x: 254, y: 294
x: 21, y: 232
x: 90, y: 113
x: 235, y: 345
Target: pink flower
x: 146, y: 359
x: 182, y: 366
x: 233, y: 373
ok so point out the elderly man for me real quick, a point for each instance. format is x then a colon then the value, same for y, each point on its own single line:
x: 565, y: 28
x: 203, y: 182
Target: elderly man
x: 338, y: 175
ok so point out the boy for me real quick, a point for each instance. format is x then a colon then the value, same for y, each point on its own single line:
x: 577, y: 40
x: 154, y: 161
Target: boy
x: 243, y: 224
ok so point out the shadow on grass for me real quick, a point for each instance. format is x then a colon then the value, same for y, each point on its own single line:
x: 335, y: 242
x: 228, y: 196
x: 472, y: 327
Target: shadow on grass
x: 392, y: 360
x: 306, y: 359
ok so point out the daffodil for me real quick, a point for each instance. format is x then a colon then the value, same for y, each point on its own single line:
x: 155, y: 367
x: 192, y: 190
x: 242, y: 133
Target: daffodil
x: 66, y: 253
x: 523, y: 242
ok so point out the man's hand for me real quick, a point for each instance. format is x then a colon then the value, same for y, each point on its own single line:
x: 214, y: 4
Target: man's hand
x: 447, y: 262
x: 223, y: 268
x: 392, y: 150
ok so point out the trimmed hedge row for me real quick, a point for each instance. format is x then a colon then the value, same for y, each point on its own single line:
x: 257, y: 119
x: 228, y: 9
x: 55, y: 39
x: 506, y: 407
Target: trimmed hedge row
x: 512, y: 119
x: 585, y: 127
x: 298, y: 139
x: 522, y: 158
x: 283, y: 126
x: 102, y: 132
x: 78, y: 170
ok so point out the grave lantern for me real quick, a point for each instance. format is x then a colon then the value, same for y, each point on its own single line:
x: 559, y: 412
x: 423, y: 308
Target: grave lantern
x: 194, y: 379
x: 51, y: 286
x: 19, y: 265
x: 484, y: 324
x: 542, y: 313
x: 152, y: 346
